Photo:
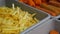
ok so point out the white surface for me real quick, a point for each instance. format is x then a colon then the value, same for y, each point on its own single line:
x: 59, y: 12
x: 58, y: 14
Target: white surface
x: 43, y: 29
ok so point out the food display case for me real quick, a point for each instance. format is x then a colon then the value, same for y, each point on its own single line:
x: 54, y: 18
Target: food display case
x: 40, y: 15
x: 45, y: 23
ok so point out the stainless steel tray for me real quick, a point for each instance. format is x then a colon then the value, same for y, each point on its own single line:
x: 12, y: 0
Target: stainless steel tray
x: 42, y: 16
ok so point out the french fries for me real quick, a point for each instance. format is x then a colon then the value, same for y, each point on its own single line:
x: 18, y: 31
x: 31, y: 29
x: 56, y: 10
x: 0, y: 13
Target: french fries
x: 14, y: 20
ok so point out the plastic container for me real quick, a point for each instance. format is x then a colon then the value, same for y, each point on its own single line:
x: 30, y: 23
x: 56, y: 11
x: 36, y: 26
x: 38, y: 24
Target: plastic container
x: 40, y: 15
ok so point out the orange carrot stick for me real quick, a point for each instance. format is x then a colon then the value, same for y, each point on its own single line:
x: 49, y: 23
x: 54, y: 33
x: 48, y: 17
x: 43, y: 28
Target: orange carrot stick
x: 31, y: 3
x: 38, y: 2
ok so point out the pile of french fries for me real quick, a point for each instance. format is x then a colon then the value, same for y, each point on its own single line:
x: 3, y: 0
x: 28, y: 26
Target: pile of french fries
x: 14, y: 20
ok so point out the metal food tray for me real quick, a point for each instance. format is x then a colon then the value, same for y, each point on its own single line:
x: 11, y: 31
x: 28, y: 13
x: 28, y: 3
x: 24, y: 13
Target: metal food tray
x: 42, y: 16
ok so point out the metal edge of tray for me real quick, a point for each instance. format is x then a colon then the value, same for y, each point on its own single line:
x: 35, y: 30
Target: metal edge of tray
x: 41, y: 22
